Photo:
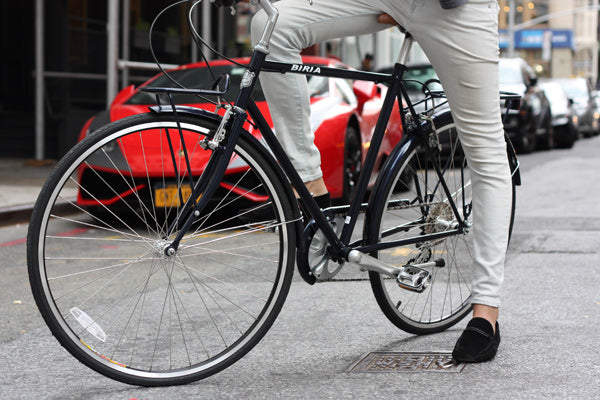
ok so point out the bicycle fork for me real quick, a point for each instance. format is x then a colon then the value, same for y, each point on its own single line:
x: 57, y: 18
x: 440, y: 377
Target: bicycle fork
x: 207, y: 184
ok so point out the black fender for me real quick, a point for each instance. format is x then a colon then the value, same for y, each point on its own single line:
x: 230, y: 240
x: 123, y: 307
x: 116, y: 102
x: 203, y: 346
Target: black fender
x: 406, y: 145
x: 299, y: 226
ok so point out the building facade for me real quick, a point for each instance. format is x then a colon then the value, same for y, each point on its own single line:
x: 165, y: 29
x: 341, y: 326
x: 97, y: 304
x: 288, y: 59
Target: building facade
x: 558, y: 37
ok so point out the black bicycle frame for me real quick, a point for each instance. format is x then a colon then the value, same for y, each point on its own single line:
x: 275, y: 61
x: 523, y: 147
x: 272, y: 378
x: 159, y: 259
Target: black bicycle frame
x: 210, y: 178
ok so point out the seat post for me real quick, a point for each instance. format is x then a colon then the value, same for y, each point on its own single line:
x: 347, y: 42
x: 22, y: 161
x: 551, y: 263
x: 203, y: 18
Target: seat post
x: 405, y: 49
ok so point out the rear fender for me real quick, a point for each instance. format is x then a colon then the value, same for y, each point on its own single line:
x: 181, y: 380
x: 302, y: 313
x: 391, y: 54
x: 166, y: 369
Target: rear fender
x: 406, y: 145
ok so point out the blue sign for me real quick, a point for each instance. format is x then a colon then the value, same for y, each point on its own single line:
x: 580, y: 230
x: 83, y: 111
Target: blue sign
x: 534, y: 38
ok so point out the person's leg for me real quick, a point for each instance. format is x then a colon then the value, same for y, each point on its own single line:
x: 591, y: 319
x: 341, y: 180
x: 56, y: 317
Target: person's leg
x: 463, y: 49
x: 462, y: 46
x: 299, y: 26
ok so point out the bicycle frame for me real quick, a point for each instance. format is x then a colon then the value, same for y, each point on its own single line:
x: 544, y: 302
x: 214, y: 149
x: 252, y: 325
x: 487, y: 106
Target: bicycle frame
x: 218, y: 162
x: 235, y: 116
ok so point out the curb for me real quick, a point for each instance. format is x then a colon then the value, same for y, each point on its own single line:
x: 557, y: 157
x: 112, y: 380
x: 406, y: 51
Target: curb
x: 20, y: 214
x: 15, y: 214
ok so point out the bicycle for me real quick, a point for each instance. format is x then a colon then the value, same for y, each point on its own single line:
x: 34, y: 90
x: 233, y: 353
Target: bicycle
x: 155, y: 289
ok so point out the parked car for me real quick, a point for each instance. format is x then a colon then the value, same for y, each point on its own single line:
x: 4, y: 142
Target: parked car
x: 343, y: 117
x: 564, y: 121
x: 532, y: 123
x: 584, y: 104
x: 596, y: 96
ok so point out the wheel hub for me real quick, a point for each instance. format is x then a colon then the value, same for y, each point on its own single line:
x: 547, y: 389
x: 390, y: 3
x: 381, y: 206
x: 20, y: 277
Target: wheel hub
x: 440, y: 218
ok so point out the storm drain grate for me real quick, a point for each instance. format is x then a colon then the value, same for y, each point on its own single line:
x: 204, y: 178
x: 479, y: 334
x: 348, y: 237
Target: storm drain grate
x: 407, y: 362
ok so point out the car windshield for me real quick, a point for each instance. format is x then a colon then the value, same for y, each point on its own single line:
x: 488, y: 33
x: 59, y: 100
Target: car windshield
x: 575, y: 89
x: 419, y: 74
x: 509, y: 74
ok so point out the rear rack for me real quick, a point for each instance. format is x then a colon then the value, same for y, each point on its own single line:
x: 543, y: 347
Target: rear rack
x: 213, y: 91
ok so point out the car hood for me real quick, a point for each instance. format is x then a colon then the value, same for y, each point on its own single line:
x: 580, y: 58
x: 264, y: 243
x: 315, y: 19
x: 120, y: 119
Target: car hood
x: 320, y: 110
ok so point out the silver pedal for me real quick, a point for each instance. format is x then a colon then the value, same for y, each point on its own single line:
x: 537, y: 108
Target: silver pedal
x: 413, y: 278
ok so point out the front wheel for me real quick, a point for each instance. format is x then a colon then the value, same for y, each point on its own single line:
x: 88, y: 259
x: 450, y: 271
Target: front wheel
x: 98, y: 266
x: 424, y: 209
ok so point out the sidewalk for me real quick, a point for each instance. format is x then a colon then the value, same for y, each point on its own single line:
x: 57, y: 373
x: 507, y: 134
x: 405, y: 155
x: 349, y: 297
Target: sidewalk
x: 20, y: 184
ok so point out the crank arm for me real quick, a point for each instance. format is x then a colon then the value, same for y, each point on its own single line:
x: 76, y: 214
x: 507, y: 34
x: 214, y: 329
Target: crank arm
x: 371, y: 263
x: 411, y: 277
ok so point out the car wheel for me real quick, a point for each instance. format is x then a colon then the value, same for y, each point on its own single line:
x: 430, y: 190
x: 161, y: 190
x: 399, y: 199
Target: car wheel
x: 528, y: 137
x: 565, y: 136
x: 547, y: 141
x: 352, y: 162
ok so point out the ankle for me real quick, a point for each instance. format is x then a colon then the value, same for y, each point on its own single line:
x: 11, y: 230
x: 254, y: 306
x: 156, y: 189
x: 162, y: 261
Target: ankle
x: 316, y: 187
x: 486, y: 312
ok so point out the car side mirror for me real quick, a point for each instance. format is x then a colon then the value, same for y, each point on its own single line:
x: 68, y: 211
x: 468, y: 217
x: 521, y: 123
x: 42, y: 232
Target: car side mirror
x: 364, y: 91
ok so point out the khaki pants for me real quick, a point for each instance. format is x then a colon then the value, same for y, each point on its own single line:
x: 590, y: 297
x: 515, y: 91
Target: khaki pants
x: 462, y: 45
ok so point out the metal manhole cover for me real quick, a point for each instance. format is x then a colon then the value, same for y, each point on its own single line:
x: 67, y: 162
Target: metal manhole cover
x: 407, y: 362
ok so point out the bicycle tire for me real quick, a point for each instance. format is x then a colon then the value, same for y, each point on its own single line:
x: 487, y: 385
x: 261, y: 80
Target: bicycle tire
x: 447, y: 299
x: 97, y: 264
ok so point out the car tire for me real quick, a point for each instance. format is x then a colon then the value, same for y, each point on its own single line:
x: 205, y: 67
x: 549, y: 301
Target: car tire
x: 566, y: 136
x: 547, y: 141
x: 352, y: 162
x: 528, y: 136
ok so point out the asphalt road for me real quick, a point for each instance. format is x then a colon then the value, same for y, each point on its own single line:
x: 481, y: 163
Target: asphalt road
x: 550, y: 319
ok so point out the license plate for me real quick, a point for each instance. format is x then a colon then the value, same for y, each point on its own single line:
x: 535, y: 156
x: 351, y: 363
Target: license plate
x: 168, y: 196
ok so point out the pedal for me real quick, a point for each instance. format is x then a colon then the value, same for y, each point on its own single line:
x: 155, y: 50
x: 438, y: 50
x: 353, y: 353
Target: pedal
x: 413, y: 278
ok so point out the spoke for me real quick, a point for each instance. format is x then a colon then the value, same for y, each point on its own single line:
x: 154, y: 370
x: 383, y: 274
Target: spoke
x: 133, y: 189
x: 217, y: 292
x: 89, y: 271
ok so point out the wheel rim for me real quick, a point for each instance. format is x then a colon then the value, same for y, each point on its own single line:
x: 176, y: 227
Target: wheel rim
x: 130, y: 308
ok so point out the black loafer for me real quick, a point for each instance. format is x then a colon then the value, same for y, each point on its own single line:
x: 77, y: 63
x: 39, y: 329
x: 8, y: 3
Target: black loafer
x: 478, y: 342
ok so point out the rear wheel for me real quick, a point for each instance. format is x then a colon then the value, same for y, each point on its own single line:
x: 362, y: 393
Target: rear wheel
x: 421, y: 210
x: 102, y: 280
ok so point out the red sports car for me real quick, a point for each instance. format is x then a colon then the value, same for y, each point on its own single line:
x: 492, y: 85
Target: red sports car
x: 343, y: 117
